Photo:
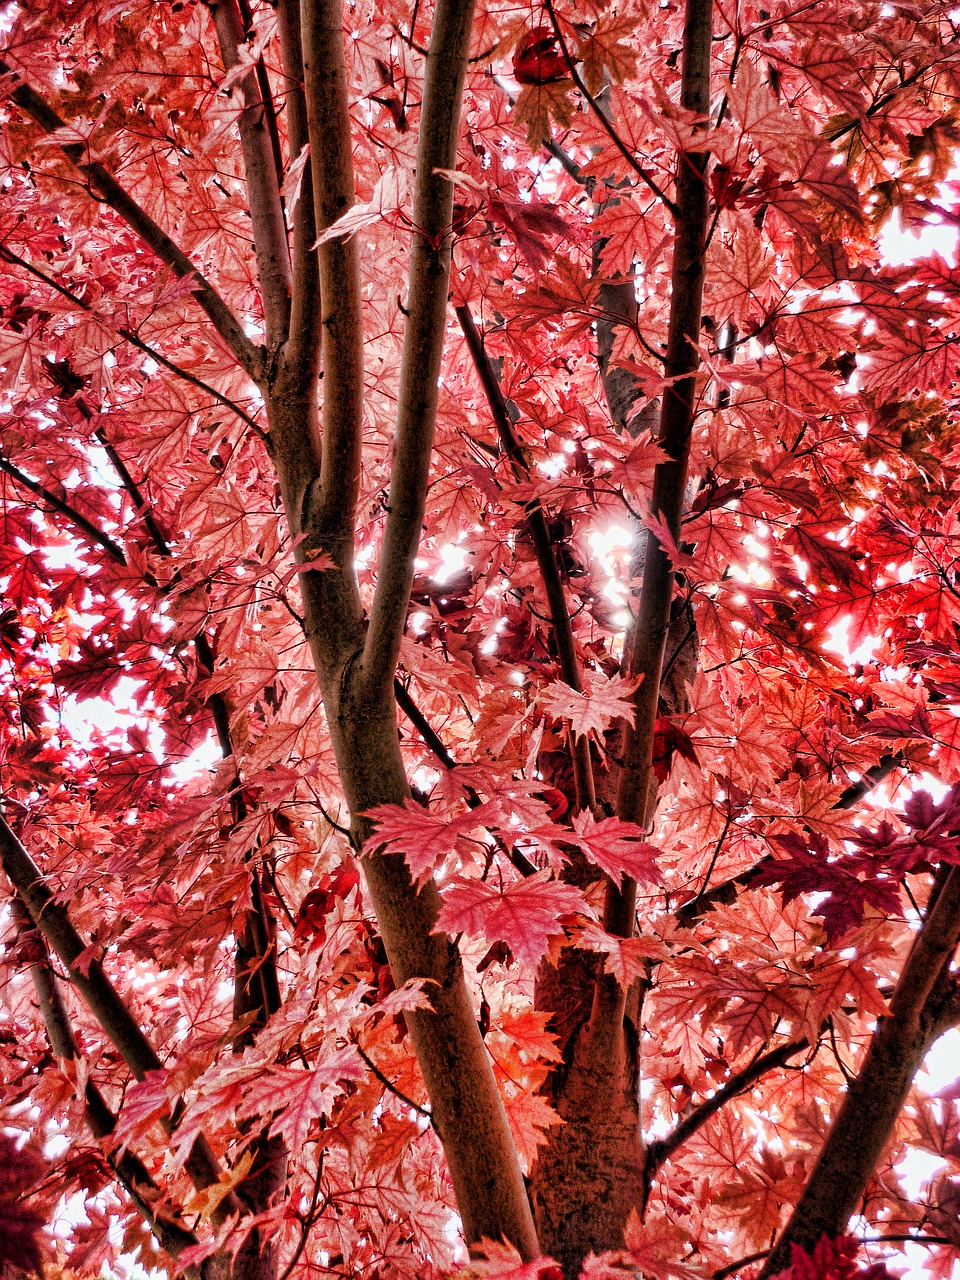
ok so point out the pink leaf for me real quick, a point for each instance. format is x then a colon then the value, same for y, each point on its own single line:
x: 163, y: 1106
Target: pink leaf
x: 603, y: 702
x: 618, y: 848
x: 525, y: 915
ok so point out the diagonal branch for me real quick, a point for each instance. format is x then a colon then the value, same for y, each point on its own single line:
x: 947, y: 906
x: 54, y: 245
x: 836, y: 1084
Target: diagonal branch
x: 102, y: 540
x: 658, y: 1152
x: 100, y: 995
x: 263, y: 946
x: 604, y: 120
x: 260, y: 924
x: 135, y: 340
x: 876, y: 1096
x: 728, y: 890
x: 439, y: 749
x: 105, y: 187
x: 130, y: 1170
x: 542, y: 545
x: 423, y: 337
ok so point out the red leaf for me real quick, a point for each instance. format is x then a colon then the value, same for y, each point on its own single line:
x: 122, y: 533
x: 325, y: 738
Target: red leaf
x: 618, y: 848
x: 525, y: 915
x: 539, y: 59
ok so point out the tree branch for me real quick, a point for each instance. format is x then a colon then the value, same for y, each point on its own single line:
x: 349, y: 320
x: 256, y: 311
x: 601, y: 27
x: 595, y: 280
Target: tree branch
x: 603, y: 120
x: 129, y: 1169
x: 105, y: 187
x: 305, y: 313
x: 263, y: 184
x: 437, y: 746
x: 423, y: 338
x: 330, y: 518
x: 102, y: 540
x: 128, y: 335
x: 100, y: 995
x: 874, y: 1099
x: 260, y: 924
x: 390, y: 1086
x: 670, y: 476
x: 542, y: 545
x: 661, y: 1150
x: 728, y: 891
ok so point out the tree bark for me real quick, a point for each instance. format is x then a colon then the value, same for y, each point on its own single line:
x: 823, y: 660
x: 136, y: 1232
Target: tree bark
x: 590, y: 1173
x: 876, y: 1096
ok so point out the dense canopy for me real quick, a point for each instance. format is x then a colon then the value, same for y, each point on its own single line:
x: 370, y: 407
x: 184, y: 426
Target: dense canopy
x: 546, y: 506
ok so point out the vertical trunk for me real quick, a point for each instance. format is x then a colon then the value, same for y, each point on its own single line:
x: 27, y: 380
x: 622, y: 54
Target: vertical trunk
x: 467, y: 1109
x: 591, y: 1173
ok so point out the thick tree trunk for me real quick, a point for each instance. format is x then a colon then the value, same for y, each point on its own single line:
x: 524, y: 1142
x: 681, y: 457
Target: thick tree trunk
x: 590, y: 1174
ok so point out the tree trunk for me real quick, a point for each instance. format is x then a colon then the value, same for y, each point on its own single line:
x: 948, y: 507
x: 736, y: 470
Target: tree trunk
x: 590, y: 1173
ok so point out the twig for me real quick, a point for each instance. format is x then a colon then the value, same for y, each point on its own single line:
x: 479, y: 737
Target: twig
x: 598, y: 111
x: 129, y: 1169
x: 661, y: 1150
x: 130, y: 336
x: 388, y: 1084
x: 100, y: 995
x: 436, y: 745
x: 103, y: 540
x: 104, y: 186
x: 542, y: 545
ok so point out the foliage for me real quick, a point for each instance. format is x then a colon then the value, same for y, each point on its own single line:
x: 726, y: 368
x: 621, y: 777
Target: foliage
x: 154, y: 594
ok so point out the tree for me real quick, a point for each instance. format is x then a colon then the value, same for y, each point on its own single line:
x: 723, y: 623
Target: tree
x: 500, y: 433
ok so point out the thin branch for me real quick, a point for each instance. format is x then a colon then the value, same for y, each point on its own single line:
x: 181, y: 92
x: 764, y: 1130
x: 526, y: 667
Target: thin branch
x: 389, y: 1085
x: 263, y: 181
x: 422, y: 725
x: 169, y: 1229
x: 734, y: 1267
x: 102, y: 540
x: 874, y: 1099
x: 637, y: 786
x: 100, y: 995
x: 105, y: 187
x: 608, y: 128
x: 308, y: 1220
x: 860, y: 789
x: 260, y: 922
x: 439, y: 749
x: 661, y: 1150
x: 424, y: 333
x: 729, y: 890
x: 130, y: 336
x: 542, y: 545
